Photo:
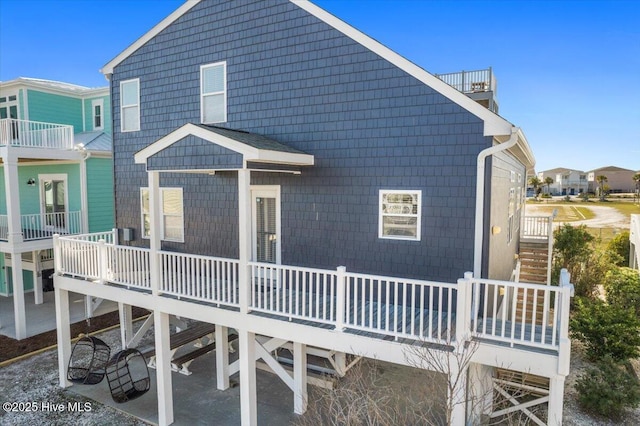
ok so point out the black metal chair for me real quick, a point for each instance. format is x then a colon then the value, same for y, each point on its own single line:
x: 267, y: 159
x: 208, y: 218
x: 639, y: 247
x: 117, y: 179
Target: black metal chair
x: 128, y: 375
x: 88, y: 361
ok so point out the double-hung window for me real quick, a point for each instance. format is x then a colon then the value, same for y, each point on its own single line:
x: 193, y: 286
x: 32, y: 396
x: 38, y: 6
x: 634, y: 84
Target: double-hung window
x: 400, y: 213
x: 97, y: 106
x: 130, y: 105
x: 213, y: 93
x: 172, y: 217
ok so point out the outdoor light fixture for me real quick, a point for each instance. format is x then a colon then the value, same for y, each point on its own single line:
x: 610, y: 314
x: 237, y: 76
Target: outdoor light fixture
x: 31, y: 182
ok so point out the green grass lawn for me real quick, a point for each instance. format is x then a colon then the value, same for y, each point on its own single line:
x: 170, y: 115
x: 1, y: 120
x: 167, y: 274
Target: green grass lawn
x: 625, y: 207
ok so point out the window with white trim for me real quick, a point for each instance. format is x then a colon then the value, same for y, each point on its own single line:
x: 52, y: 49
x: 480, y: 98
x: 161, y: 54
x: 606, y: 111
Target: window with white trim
x: 97, y: 108
x: 172, y: 214
x: 400, y: 213
x: 130, y: 105
x: 213, y: 93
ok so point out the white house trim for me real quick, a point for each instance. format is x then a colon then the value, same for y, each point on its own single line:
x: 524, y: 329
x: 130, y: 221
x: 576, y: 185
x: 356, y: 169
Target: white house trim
x: 248, y: 152
x: 108, y: 68
x: 494, y: 124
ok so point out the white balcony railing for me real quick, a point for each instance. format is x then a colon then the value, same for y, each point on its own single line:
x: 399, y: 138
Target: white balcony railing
x: 471, y: 81
x: 34, y: 134
x: 537, y: 227
x: 520, y: 313
x: 383, y: 306
x: 43, y: 225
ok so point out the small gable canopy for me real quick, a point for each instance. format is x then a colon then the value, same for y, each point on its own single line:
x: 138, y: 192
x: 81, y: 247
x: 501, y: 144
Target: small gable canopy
x: 201, y: 148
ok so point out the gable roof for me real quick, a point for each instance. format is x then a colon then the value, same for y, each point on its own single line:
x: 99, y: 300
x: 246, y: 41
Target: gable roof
x: 94, y: 141
x: 253, y: 148
x: 55, y: 86
x: 494, y: 124
x: 610, y: 169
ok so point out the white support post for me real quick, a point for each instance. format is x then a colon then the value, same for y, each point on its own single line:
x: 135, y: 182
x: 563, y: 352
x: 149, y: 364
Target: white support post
x: 463, y: 309
x: 63, y: 331
x: 299, y: 378
x: 556, y: 400
x: 155, y: 217
x: 57, y: 254
x: 114, y: 233
x: 340, y: 363
x: 84, y: 203
x: 480, y: 392
x: 38, y: 297
x: 103, y: 260
x: 12, y: 195
x: 19, y: 309
x: 564, y: 343
x: 244, y: 238
x: 126, y: 323
x: 248, y: 391
x: 457, y: 394
x: 222, y: 357
x: 163, y: 368
x: 341, y: 284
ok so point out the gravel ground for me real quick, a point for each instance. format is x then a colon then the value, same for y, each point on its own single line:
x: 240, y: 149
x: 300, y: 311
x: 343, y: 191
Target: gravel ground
x: 35, y: 379
x: 33, y: 384
x: 605, y: 217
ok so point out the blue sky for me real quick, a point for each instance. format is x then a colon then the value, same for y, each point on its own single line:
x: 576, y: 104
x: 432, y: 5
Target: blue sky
x: 568, y: 71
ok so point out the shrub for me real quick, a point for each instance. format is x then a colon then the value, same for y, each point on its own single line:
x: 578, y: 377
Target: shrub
x: 606, y: 329
x: 608, y: 389
x: 574, y: 251
x: 623, y: 288
x: 620, y: 245
x: 572, y: 244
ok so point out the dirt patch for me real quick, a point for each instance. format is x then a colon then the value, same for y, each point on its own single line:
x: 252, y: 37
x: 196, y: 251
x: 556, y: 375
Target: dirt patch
x: 12, y: 348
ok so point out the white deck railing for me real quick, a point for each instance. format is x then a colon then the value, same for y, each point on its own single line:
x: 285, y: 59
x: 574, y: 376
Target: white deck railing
x: 634, y: 239
x: 203, y: 278
x: 471, y: 81
x: 398, y: 307
x: 43, y: 225
x: 520, y: 313
x: 34, y: 134
x: 538, y: 227
x: 383, y: 306
x: 294, y: 292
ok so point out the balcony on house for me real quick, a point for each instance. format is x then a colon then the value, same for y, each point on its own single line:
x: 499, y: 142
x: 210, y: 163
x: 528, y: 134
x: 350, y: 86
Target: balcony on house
x: 42, y: 226
x: 479, y: 85
x: 498, y: 314
x: 35, y: 134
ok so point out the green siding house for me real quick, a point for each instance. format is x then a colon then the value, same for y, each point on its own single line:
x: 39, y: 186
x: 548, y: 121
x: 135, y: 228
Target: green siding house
x: 57, y: 178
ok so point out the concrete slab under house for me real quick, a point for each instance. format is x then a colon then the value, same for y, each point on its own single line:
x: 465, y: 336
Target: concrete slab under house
x: 286, y: 181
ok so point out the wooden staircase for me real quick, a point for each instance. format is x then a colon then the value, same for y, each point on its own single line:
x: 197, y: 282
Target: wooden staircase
x: 534, y: 258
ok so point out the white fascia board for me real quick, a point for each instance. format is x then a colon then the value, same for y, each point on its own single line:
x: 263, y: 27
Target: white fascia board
x: 279, y: 157
x: 249, y: 153
x: 493, y: 123
x: 188, y: 130
x: 49, y: 154
x: 108, y: 68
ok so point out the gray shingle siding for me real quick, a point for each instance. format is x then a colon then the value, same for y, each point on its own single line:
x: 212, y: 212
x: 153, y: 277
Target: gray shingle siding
x: 192, y: 153
x: 298, y: 81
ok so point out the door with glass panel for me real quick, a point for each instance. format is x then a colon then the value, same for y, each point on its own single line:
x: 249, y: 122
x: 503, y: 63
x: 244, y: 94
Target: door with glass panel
x: 53, y: 198
x: 265, y: 213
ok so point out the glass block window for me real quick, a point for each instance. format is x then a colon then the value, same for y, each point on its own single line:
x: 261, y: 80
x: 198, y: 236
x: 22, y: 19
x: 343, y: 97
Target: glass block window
x: 400, y: 213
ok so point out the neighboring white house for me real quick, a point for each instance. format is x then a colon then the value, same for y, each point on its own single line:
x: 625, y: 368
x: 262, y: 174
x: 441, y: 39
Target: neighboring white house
x: 565, y: 181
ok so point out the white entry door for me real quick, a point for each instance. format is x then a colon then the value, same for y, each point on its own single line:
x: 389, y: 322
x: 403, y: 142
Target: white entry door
x: 265, y: 216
